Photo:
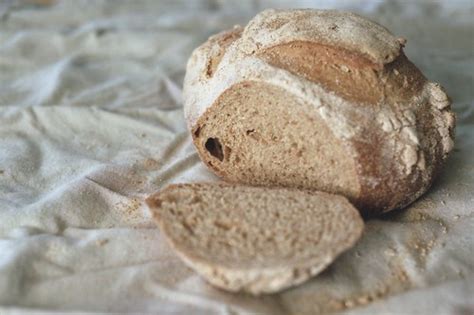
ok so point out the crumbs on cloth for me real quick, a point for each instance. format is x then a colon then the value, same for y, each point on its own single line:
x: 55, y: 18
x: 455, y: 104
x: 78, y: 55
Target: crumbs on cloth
x: 91, y: 123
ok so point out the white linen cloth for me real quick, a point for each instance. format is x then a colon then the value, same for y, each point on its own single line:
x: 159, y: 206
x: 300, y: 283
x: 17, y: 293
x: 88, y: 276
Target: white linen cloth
x: 91, y: 123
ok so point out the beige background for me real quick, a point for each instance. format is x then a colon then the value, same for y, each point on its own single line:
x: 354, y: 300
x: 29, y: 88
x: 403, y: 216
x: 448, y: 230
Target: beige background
x: 91, y: 123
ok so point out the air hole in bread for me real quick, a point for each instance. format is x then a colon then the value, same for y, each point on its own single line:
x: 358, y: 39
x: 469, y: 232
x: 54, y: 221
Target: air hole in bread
x: 214, y: 147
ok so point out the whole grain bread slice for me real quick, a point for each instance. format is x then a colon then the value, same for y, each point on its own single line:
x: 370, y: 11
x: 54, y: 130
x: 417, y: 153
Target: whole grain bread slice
x: 255, y: 239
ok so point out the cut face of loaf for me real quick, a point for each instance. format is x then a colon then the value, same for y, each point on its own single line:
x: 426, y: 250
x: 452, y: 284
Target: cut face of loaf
x: 322, y: 100
x: 255, y: 239
x: 272, y: 138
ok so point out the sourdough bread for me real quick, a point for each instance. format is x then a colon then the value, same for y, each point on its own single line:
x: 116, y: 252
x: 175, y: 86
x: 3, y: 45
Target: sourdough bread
x: 255, y: 239
x: 320, y: 100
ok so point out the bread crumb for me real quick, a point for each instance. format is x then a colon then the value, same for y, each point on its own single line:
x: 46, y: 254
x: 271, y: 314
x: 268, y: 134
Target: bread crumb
x: 366, y: 298
x: 399, y: 281
x: 362, y: 300
x: 402, y: 275
x: 444, y: 228
x: 423, y: 248
x: 151, y: 163
x: 129, y: 210
x: 390, y: 252
x: 336, y: 305
x: 102, y: 242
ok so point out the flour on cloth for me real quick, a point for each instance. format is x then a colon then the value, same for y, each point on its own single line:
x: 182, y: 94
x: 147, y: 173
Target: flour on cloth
x: 91, y: 123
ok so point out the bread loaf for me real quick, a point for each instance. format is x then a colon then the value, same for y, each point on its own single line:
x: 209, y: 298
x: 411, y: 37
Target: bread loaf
x: 321, y: 100
x: 255, y: 239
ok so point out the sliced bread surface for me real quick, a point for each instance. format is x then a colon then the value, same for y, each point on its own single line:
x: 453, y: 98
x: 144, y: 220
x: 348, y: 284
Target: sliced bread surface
x: 255, y: 239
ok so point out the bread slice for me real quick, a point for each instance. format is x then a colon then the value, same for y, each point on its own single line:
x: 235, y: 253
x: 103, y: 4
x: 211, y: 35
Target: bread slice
x: 255, y: 239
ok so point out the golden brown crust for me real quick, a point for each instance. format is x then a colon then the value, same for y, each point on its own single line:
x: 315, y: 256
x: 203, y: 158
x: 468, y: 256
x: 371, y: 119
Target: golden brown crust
x: 337, y: 69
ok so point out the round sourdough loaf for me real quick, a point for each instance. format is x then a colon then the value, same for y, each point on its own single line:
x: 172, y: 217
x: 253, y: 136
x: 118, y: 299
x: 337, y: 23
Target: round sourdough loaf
x: 322, y: 100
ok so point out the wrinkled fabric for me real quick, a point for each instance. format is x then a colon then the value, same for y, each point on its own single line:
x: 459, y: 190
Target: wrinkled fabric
x: 91, y: 123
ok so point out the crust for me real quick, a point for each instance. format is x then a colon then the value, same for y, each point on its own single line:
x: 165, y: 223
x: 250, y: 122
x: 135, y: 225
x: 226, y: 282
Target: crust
x: 336, y: 69
x: 219, y: 44
x: 200, y: 69
x: 344, y: 30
